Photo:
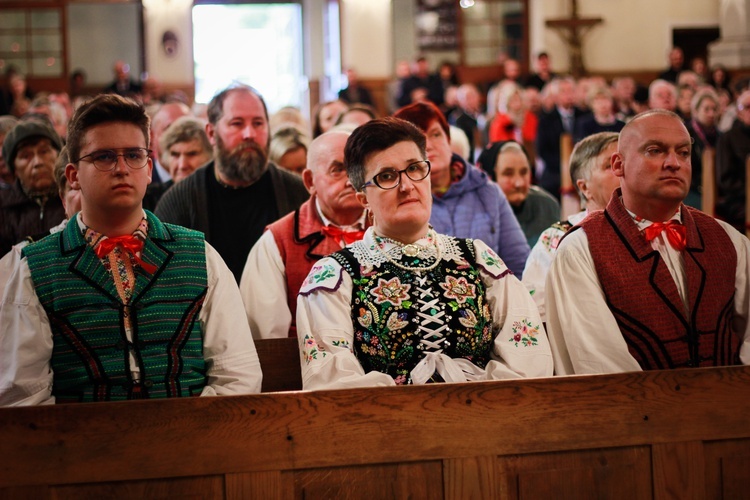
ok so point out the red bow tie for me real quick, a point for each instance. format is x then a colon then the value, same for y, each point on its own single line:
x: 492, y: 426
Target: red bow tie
x: 339, y: 234
x: 130, y: 244
x: 676, y: 233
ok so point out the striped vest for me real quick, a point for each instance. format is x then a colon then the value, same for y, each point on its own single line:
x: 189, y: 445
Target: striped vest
x: 90, y: 356
x: 643, y: 297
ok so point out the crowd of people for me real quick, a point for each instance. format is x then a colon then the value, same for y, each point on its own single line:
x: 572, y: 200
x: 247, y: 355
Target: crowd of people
x: 424, y: 246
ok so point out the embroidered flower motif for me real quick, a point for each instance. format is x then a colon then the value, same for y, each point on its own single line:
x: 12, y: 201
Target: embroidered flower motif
x: 467, y: 318
x: 458, y: 289
x: 491, y: 258
x: 340, y: 343
x: 400, y: 380
x: 524, y: 333
x: 320, y: 273
x: 396, y: 321
x: 310, y: 349
x: 392, y: 291
x: 365, y: 317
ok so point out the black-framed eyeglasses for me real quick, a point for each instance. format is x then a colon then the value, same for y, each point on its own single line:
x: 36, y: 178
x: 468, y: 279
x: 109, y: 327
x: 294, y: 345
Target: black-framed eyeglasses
x: 106, y: 159
x: 391, y: 178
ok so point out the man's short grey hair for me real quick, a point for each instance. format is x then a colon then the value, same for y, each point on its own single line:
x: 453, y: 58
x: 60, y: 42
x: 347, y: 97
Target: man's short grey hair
x: 184, y: 129
x: 584, y: 155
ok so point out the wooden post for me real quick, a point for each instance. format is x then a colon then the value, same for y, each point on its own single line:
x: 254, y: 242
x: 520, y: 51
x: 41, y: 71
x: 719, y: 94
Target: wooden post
x: 708, y: 189
x: 570, y: 203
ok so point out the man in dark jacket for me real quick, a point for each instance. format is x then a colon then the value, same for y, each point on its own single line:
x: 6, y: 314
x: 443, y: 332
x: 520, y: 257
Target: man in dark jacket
x: 31, y: 206
x: 233, y: 198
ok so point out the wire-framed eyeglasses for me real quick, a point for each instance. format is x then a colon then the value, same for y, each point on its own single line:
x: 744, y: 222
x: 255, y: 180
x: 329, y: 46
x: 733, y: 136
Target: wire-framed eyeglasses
x: 106, y: 159
x: 391, y: 178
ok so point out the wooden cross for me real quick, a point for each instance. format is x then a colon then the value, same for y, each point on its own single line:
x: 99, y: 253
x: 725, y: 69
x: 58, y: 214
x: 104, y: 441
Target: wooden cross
x: 572, y: 30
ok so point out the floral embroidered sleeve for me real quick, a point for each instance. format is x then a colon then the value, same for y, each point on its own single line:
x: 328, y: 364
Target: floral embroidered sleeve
x: 325, y: 331
x: 520, y: 348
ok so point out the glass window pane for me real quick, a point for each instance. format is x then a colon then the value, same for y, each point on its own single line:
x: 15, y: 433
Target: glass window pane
x: 12, y: 43
x: 47, y: 66
x: 13, y: 19
x: 478, y: 33
x: 46, y: 43
x: 45, y: 19
x: 275, y: 68
x: 481, y: 56
x: 21, y: 64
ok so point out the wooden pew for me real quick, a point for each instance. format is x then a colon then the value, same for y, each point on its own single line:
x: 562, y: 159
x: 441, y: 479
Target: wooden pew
x: 570, y: 202
x: 280, y: 362
x: 708, y: 181
x: 663, y: 434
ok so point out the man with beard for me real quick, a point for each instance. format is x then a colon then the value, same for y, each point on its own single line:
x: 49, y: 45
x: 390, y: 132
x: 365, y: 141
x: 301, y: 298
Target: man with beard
x: 280, y: 261
x: 233, y: 198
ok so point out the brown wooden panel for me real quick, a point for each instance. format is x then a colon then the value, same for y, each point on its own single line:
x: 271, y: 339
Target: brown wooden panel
x: 410, y: 480
x: 25, y: 493
x: 283, y: 431
x: 623, y: 473
x: 266, y: 484
x: 209, y: 487
x: 679, y: 470
x: 708, y: 180
x: 728, y: 469
x: 280, y: 362
x: 473, y: 477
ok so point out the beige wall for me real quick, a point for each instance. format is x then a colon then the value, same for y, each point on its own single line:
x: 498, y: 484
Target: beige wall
x: 635, y: 35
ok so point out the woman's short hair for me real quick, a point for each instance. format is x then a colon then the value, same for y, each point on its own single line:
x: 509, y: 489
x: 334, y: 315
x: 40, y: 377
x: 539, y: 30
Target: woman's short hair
x: 184, y: 129
x: 584, y: 155
x: 288, y: 137
x: 422, y: 114
x: 701, y: 96
x: 376, y: 136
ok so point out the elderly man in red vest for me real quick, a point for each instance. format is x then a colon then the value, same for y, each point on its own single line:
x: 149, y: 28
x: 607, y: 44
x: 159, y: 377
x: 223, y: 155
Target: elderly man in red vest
x: 650, y: 283
x: 281, y: 259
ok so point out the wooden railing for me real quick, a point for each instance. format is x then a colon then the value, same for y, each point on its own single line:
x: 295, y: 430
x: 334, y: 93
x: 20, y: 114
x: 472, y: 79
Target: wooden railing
x: 570, y: 202
x: 665, y: 434
x: 708, y: 181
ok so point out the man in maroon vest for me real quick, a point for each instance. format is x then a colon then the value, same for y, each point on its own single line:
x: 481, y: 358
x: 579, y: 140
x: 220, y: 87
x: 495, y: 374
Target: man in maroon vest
x: 650, y: 283
x: 281, y: 259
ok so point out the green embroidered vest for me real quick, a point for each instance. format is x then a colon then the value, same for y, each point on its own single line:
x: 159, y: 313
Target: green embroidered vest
x: 90, y: 356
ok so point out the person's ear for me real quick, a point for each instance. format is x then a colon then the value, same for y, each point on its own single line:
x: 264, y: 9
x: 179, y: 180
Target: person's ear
x: 307, y: 179
x: 583, y: 187
x: 618, y: 164
x: 210, y: 131
x: 362, y: 198
x: 71, y: 174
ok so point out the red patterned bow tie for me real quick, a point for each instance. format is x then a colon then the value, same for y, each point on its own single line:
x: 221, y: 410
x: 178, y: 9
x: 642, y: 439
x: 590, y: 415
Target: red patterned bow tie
x: 676, y: 233
x: 130, y: 244
x: 339, y: 234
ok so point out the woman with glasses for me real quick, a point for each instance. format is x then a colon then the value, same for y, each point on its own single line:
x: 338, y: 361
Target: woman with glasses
x: 465, y: 202
x: 406, y: 304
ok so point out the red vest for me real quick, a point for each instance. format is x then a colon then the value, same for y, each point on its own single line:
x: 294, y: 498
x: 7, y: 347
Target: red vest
x: 301, y: 244
x: 643, y: 297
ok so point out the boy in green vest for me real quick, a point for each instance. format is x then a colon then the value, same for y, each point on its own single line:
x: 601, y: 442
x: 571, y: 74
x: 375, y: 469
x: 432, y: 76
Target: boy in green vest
x: 119, y: 305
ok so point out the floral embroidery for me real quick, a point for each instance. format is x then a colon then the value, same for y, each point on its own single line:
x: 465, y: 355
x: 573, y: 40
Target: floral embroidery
x: 320, y: 273
x: 524, y: 333
x: 491, y: 258
x: 310, y: 349
x: 365, y: 317
x: 396, y: 321
x: 458, y: 289
x: 467, y: 318
x: 390, y: 291
x: 340, y: 343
